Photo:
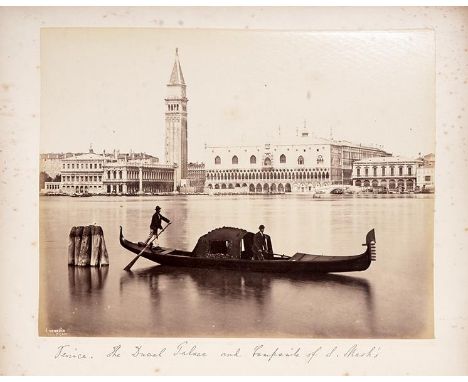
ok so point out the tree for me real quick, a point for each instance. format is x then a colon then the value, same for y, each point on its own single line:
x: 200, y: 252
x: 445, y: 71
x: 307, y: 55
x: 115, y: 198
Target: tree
x: 43, y: 177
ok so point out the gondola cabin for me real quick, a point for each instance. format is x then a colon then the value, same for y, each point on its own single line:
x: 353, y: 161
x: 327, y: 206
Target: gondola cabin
x: 229, y: 243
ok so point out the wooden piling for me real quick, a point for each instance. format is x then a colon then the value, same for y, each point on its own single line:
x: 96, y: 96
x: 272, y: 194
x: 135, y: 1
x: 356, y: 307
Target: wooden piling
x: 84, y: 258
x: 78, y: 233
x: 71, y: 246
x: 96, y: 245
x: 87, y: 247
x: 104, y: 256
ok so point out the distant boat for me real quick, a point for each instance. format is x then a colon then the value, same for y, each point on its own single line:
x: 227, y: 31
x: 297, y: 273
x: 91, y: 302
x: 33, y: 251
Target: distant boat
x: 231, y: 248
x: 81, y: 195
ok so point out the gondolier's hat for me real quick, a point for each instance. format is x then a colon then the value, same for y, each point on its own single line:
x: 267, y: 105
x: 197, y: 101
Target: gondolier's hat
x: 261, y: 226
x: 158, y: 208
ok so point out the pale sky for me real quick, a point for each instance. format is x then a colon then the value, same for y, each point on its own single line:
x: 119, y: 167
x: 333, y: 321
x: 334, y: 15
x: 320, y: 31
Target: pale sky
x: 106, y: 87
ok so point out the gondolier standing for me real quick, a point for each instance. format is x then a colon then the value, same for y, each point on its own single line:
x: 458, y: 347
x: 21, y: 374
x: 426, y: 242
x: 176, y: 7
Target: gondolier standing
x: 156, y: 224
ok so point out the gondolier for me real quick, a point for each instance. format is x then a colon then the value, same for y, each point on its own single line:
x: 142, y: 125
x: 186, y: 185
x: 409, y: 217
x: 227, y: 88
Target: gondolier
x: 156, y: 221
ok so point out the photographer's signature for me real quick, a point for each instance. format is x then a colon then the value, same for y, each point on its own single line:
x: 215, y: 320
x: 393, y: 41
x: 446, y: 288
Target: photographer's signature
x: 60, y: 332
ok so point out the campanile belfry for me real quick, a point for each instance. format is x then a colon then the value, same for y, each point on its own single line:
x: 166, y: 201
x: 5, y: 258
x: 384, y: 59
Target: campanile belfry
x: 176, y: 124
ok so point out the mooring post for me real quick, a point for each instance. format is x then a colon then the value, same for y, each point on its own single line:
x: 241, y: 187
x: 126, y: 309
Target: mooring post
x: 84, y: 258
x: 96, y: 245
x: 87, y: 247
x: 71, y: 246
x: 78, y: 233
x: 104, y: 255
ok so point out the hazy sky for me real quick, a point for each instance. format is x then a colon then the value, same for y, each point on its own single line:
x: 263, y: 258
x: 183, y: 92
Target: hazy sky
x: 107, y: 87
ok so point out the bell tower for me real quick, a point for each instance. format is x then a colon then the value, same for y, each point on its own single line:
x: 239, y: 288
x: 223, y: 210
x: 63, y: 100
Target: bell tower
x: 176, y: 124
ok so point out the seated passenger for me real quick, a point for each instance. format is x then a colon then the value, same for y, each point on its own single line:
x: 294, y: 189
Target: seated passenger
x: 259, y: 247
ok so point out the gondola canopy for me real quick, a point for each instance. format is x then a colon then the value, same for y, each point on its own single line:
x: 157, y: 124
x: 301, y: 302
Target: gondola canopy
x: 225, y: 242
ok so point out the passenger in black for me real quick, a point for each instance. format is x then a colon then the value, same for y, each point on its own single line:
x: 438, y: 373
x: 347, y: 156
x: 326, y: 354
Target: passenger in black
x: 259, y: 247
x: 156, y: 224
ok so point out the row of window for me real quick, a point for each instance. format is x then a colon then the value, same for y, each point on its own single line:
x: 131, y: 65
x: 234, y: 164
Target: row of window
x: 72, y: 178
x: 392, y: 171
x: 267, y: 161
x: 80, y: 188
x: 135, y: 175
x: 254, y: 170
x: 83, y: 165
x: 175, y: 107
x: 254, y: 188
x: 268, y: 175
x: 392, y: 184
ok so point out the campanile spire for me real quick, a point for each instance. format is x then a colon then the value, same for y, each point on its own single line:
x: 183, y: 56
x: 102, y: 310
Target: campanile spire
x: 177, y: 78
x: 176, y: 123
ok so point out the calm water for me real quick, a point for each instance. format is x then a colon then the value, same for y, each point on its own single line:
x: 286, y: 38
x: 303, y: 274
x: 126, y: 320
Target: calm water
x: 392, y: 299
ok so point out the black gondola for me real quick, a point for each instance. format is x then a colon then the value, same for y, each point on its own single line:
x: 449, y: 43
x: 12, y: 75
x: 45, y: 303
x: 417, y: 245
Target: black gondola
x: 231, y: 248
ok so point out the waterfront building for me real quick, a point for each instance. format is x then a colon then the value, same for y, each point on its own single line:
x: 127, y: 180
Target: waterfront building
x: 176, y: 125
x: 388, y: 173
x: 196, y: 177
x: 83, y: 173
x: 115, y: 173
x: 426, y: 173
x: 137, y: 176
x: 300, y: 165
x: 52, y: 188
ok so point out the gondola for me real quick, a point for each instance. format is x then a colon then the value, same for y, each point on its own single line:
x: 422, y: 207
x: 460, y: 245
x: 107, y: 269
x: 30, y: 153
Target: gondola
x: 231, y: 248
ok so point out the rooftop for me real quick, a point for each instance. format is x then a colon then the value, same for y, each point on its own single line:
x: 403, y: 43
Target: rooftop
x: 86, y: 156
x: 396, y: 159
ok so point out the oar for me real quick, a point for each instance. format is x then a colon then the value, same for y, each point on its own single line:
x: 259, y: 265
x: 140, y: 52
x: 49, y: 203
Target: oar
x: 131, y: 263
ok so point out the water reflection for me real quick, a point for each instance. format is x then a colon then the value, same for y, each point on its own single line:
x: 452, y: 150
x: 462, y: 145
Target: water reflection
x: 261, y: 295
x: 223, y: 283
x: 85, y: 280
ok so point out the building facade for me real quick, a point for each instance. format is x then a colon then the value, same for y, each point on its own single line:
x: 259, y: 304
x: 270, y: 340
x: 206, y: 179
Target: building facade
x: 52, y: 188
x: 426, y: 173
x: 196, y: 177
x: 83, y: 173
x: 129, y: 174
x: 388, y: 173
x: 176, y: 125
x: 136, y: 177
x: 301, y: 166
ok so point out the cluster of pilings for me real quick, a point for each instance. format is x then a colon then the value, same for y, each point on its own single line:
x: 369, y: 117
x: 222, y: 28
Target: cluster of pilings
x: 87, y: 247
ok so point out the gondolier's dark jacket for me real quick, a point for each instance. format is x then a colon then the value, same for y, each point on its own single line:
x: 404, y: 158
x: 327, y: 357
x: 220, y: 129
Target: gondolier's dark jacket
x: 156, y: 221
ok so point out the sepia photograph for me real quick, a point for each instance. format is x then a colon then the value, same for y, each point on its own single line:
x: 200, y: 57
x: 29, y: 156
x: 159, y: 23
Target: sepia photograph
x: 236, y: 183
x: 248, y: 190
